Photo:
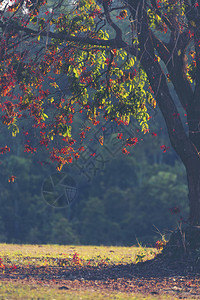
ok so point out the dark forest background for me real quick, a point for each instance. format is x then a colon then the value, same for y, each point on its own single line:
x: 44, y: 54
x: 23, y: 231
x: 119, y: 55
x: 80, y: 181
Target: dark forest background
x: 125, y: 199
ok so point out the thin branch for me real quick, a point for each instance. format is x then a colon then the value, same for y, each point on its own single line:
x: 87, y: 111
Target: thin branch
x: 111, y: 23
x: 164, y: 18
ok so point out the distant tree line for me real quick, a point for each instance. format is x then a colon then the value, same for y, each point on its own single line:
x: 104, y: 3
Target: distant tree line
x: 130, y: 199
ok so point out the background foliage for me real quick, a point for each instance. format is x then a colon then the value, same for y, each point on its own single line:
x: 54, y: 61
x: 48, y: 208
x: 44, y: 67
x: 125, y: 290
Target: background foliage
x: 120, y: 205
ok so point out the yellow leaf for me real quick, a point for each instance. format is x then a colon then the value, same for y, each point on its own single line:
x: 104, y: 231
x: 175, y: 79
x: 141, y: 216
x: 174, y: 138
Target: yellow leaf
x: 54, y: 84
x: 101, y: 140
x: 51, y: 100
x: 38, y: 37
x: 193, y: 23
x: 179, y: 52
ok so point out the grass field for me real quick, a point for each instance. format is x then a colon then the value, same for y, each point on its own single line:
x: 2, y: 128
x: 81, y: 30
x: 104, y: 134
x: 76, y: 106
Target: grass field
x: 76, y: 272
x: 25, y: 291
x: 42, y: 254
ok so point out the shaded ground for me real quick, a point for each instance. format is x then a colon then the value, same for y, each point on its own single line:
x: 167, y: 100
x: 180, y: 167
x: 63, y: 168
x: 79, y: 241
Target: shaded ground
x: 155, y: 277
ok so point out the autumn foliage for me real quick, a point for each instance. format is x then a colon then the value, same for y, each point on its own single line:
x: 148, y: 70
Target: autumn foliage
x: 99, y: 82
x: 101, y: 60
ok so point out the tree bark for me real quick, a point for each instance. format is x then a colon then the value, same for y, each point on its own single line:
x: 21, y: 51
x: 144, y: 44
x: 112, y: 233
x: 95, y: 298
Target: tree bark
x: 193, y: 118
x: 193, y: 177
x: 186, y: 146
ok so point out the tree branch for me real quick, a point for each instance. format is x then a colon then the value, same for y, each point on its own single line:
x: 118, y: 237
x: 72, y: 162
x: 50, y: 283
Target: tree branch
x: 111, y: 23
x: 197, y: 50
x: 113, y: 43
x: 157, y: 79
x: 177, y: 68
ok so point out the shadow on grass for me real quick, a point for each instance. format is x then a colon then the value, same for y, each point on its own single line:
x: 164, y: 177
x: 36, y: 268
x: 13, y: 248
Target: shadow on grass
x: 155, y: 268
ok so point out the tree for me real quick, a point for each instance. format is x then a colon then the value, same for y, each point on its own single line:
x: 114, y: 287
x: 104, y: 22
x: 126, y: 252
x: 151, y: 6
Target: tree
x: 102, y: 59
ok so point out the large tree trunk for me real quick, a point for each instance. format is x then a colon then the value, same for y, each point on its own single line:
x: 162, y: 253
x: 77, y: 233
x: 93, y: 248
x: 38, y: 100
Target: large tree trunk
x: 187, y: 147
x: 186, y: 239
x: 193, y: 168
x: 193, y: 176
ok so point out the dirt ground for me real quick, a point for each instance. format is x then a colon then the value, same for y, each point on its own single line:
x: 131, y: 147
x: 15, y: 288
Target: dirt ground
x: 155, y: 277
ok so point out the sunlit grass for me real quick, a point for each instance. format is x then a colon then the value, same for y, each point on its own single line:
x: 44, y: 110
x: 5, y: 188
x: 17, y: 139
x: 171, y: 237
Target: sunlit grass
x: 50, y: 258
x: 9, y: 290
x: 54, y: 254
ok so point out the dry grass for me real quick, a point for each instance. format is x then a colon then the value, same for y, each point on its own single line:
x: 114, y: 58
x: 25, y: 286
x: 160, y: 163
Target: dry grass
x: 34, y: 275
x: 23, y: 254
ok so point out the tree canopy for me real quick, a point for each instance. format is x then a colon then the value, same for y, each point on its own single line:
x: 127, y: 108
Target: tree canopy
x: 100, y: 60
